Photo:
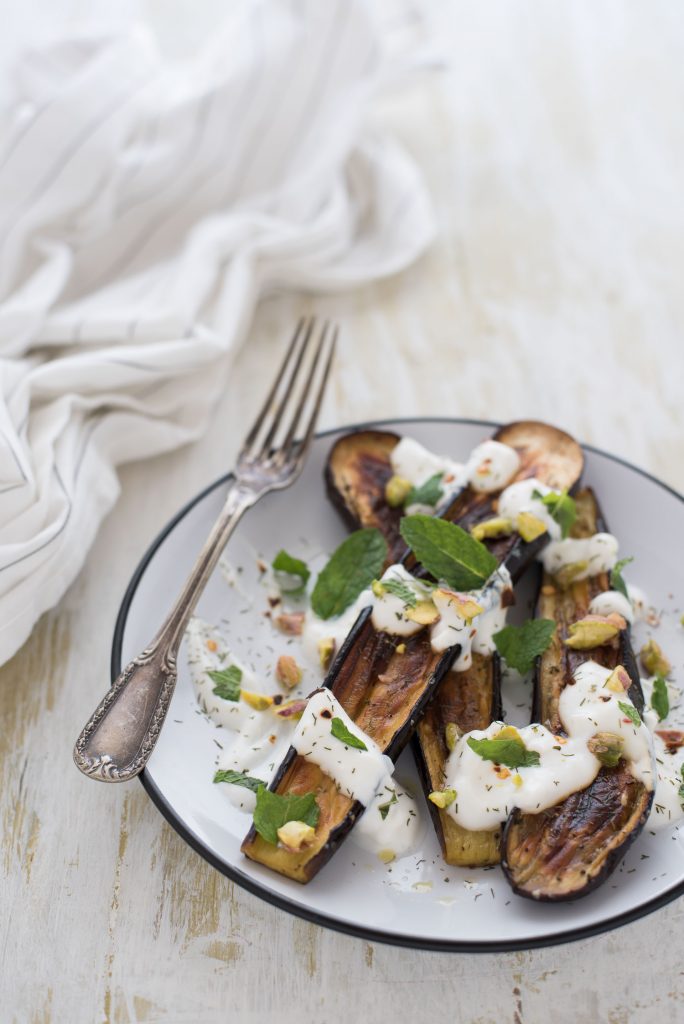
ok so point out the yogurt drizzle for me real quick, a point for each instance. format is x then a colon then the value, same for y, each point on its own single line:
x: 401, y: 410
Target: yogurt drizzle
x: 390, y: 820
x: 489, y: 467
x: 485, y: 796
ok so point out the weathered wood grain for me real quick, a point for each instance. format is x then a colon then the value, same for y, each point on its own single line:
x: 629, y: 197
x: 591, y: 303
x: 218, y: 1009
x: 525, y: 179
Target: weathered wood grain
x: 553, y: 148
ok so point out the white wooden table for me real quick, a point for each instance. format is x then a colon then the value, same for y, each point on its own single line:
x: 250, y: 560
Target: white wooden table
x: 554, y: 150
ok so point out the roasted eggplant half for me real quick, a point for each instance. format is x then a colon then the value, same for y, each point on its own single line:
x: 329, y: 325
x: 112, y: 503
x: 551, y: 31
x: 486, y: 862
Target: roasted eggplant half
x: 384, y: 691
x: 565, y: 852
x: 470, y: 699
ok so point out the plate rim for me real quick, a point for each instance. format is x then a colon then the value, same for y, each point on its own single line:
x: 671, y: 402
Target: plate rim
x: 255, y: 887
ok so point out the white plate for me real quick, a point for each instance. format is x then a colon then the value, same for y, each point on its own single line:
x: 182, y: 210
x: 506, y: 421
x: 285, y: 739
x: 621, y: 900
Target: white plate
x: 419, y: 900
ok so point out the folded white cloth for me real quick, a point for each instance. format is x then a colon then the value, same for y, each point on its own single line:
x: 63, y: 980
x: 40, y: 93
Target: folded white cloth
x: 145, y: 207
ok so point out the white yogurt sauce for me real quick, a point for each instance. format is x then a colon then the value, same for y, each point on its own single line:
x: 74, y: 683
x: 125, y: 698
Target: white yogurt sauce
x: 476, y: 637
x: 363, y: 775
x: 259, y: 739
x: 668, y: 806
x: 612, y: 601
x: 337, y: 628
x: 489, y: 467
x: 389, y: 610
x: 518, y: 498
x: 599, y: 552
x: 484, y: 799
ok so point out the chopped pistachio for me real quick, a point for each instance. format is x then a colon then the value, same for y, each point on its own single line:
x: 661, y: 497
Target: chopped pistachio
x: 386, y: 856
x: 424, y: 613
x: 452, y: 734
x: 607, y: 747
x: 442, y: 797
x: 400, y: 648
x: 517, y: 780
x: 653, y: 659
x: 295, y: 834
x: 467, y: 608
x: 258, y: 701
x: 592, y: 631
x: 291, y: 623
x: 378, y: 589
x: 529, y: 526
x: 618, y: 681
x: 292, y: 709
x: 288, y: 671
x: 326, y: 649
x: 509, y: 732
x: 397, y: 489
x: 497, y: 526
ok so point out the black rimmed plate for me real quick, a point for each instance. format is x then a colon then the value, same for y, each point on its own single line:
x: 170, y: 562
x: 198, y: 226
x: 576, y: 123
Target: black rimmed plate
x: 417, y: 901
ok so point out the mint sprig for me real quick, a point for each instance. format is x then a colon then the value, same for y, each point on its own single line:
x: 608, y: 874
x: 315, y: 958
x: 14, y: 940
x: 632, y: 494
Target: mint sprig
x: 562, y: 508
x: 511, y: 752
x: 630, y: 712
x: 660, y: 699
x: 520, y: 645
x: 341, y: 732
x: 428, y: 493
x: 285, y: 565
x: 353, y: 567
x: 238, y: 779
x: 616, y: 580
x: 448, y: 552
x: 272, y: 811
x: 227, y: 682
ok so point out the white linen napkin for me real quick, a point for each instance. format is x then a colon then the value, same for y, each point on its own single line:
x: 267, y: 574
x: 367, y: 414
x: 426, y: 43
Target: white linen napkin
x: 145, y: 207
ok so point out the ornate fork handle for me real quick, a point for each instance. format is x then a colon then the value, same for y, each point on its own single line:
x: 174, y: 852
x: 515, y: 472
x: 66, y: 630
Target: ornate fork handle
x: 119, y: 737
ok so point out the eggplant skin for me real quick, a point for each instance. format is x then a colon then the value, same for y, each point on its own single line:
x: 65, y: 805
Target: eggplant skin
x: 565, y: 852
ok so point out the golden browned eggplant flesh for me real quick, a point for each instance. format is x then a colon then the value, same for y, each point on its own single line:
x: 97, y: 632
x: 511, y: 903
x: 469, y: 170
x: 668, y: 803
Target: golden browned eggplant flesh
x: 384, y: 691
x: 564, y: 852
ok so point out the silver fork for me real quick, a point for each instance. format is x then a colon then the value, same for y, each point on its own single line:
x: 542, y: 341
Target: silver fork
x: 119, y: 737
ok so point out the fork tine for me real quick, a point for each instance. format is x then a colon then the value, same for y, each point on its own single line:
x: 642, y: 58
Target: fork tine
x: 286, y: 446
x: 263, y: 412
x: 267, y: 442
x: 306, y: 440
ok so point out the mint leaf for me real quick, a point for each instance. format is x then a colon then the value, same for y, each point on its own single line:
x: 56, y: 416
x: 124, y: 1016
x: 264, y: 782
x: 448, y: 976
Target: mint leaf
x: 384, y: 808
x: 353, y: 567
x: 448, y: 552
x: 561, y: 507
x: 238, y: 779
x: 660, y: 700
x: 341, y: 732
x: 272, y: 811
x: 631, y: 712
x: 511, y: 752
x: 400, y: 590
x: 520, y: 645
x: 284, y: 563
x: 616, y: 580
x: 227, y: 682
x: 428, y: 493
